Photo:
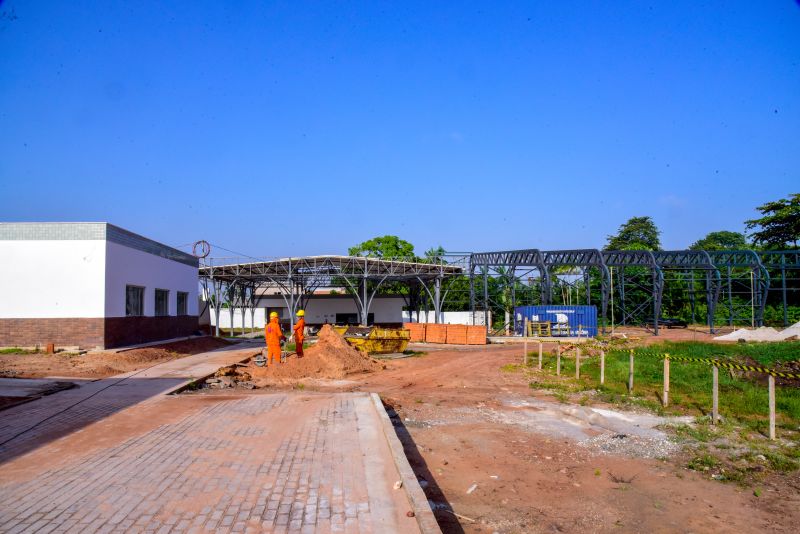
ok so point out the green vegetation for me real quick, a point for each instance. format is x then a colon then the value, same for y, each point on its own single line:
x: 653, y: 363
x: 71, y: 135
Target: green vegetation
x: 735, y: 449
x: 17, y: 350
x: 779, y: 224
x: 741, y: 398
x: 414, y: 353
x: 638, y: 233
x: 722, y: 240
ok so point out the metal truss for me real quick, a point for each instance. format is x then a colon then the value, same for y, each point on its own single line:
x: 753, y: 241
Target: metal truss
x: 745, y: 276
x: 236, y: 283
x: 746, y: 284
x: 780, y: 265
x: 650, y: 282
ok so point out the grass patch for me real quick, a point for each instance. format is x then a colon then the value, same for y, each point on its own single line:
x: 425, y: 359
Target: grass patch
x: 414, y: 353
x: 742, y: 398
x: 17, y: 350
x: 704, y: 462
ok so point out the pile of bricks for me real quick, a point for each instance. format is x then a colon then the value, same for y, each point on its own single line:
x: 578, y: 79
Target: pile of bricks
x: 452, y: 334
x: 435, y: 333
x: 417, y: 331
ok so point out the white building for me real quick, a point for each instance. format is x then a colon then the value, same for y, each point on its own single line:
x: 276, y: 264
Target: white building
x: 92, y: 285
x: 320, y: 309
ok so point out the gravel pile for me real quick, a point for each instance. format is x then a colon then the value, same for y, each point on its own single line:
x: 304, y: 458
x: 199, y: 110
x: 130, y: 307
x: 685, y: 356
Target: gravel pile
x: 628, y: 445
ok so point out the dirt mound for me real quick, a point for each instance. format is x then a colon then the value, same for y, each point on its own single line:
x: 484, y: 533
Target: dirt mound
x: 331, y: 357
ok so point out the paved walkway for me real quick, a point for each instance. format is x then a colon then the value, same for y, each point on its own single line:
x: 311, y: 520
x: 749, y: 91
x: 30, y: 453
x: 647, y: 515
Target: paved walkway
x: 25, y: 427
x: 273, y: 462
x: 130, y: 459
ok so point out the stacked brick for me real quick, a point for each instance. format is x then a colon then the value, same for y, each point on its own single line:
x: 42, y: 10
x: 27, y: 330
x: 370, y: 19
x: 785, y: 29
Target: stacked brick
x: 436, y: 333
x: 457, y: 334
x: 476, y: 335
x: 452, y: 334
x: 417, y: 331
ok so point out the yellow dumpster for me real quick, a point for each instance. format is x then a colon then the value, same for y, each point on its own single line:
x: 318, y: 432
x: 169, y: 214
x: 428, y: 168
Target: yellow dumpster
x: 375, y: 340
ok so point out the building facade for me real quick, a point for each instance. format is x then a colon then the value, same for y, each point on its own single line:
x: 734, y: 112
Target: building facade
x: 92, y: 285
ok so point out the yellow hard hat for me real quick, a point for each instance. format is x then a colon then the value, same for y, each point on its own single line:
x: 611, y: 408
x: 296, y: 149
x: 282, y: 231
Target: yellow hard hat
x: 301, y: 313
x: 273, y: 314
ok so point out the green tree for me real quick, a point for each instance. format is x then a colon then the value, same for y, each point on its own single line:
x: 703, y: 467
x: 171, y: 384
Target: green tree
x: 388, y: 246
x: 638, y: 233
x: 722, y: 240
x: 779, y: 224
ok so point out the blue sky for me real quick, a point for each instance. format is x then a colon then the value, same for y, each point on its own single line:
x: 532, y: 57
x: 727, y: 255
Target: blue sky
x: 278, y: 128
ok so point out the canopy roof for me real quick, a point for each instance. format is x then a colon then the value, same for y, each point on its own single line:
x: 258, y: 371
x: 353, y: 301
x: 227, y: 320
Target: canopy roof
x: 298, y: 269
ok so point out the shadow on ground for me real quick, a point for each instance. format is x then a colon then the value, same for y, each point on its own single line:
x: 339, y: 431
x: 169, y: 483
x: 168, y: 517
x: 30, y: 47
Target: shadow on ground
x: 441, y: 507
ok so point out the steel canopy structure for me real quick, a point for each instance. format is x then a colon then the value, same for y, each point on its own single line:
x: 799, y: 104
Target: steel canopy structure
x: 742, y: 276
x: 634, y: 281
x: 237, y: 283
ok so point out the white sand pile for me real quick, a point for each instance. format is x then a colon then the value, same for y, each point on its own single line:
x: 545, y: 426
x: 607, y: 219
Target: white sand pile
x: 792, y: 331
x: 764, y: 333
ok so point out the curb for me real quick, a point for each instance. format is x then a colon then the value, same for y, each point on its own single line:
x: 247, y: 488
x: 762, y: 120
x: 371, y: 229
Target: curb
x: 416, y: 497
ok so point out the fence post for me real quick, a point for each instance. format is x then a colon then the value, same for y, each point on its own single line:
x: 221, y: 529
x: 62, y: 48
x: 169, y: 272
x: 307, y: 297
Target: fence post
x: 602, y: 367
x: 630, y: 372
x: 540, y: 355
x: 665, y: 395
x: 525, y: 343
x: 715, y: 395
x: 577, y: 362
x: 558, y: 358
x: 771, y: 407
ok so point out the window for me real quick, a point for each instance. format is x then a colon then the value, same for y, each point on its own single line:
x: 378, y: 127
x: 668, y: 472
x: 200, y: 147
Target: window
x: 279, y: 311
x: 134, y: 300
x: 353, y: 318
x: 183, y: 301
x: 162, y: 302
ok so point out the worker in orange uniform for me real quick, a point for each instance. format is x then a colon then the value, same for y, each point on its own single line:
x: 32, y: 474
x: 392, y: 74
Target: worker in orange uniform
x: 299, y: 328
x: 274, y: 336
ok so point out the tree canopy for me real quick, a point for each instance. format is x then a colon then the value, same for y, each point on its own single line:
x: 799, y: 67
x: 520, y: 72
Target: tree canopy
x: 638, y: 233
x: 722, y: 240
x: 387, y: 246
x: 779, y: 225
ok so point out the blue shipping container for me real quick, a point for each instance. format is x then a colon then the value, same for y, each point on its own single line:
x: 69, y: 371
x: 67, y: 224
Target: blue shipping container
x: 567, y: 321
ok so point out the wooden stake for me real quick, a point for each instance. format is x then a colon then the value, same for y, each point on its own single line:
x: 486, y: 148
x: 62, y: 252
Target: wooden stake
x: 577, y: 362
x: 540, y: 355
x: 771, y: 407
x: 558, y: 359
x: 715, y: 395
x: 630, y: 373
x: 525, y: 344
x: 602, y: 367
x: 665, y: 394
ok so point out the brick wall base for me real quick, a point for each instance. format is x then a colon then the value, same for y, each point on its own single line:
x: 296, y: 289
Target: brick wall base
x: 121, y: 331
x: 89, y: 333
x: 84, y: 333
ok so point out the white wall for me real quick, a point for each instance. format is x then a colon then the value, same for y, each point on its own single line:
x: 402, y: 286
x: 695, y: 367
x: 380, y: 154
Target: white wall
x: 52, y: 279
x: 127, y: 266
x: 318, y: 311
x: 448, y: 317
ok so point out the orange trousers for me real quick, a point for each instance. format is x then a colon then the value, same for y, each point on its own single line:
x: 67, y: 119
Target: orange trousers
x: 298, y: 341
x: 273, y: 352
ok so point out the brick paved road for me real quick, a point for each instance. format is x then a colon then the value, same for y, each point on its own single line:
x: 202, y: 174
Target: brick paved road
x: 278, y: 462
x: 51, y: 417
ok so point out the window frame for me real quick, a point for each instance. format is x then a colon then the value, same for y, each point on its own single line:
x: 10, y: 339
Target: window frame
x: 141, y: 290
x: 185, y: 310
x: 165, y: 303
